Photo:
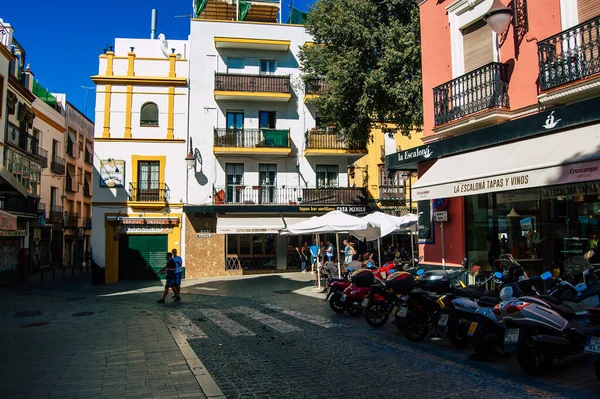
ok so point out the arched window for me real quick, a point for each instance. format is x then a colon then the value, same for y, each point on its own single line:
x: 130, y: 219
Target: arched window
x: 149, y: 115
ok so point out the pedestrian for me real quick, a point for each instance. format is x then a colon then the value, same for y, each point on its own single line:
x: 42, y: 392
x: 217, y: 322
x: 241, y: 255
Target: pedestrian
x: 329, y: 251
x: 178, y: 273
x: 322, y: 250
x: 314, y: 255
x: 302, y: 255
x: 169, y: 268
x: 348, y: 252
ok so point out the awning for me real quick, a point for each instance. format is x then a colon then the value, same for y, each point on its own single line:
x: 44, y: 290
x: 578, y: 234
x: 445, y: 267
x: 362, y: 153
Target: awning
x: 8, y: 221
x: 11, y: 181
x: 567, y: 157
x: 256, y: 225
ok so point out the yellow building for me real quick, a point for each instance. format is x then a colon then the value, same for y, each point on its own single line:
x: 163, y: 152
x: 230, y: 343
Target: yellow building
x: 391, y: 192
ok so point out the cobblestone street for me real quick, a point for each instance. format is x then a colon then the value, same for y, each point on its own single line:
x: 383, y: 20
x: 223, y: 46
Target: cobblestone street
x: 258, y: 337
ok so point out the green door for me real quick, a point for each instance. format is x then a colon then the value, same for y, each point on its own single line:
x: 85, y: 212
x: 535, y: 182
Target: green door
x: 140, y: 257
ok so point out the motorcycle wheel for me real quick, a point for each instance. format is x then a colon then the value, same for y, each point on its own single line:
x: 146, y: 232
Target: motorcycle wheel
x: 399, y: 322
x: 335, y: 303
x: 485, y: 343
x: 415, y: 326
x: 457, y: 330
x: 532, y: 361
x: 353, y: 311
x: 377, y: 314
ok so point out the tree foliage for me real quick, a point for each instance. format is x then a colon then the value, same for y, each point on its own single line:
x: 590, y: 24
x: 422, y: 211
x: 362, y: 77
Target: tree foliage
x: 368, y: 53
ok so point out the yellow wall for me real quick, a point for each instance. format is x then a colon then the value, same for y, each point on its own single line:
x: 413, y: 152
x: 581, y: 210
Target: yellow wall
x: 368, y: 166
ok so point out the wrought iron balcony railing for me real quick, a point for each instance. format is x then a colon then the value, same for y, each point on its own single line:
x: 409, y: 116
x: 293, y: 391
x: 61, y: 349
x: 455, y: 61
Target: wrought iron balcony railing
x: 272, y: 195
x: 17, y: 137
x: 57, y: 165
x: 87, y: 223
x: 329, y: 140
x: 149, y: 192
x: 252, y: 138
x: 315, y: 86
x: 43, y: 157
x: 56, y: 213
x: 478, y: 90
x: 392, y: 193
x: 20, y: 205
x: 570, y: 55
x: 252, y: 83
x: 71, y: 219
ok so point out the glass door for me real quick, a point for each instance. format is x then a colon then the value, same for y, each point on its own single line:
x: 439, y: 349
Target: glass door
x: 235, y: 183
x: 267, y: 179
x: 235, y: 129
x: 148, y: 181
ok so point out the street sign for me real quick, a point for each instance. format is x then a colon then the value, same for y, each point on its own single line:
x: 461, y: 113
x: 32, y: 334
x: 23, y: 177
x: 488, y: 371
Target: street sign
x: 440, y: 216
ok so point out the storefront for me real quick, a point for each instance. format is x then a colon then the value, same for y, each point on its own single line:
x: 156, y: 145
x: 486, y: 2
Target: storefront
x: 10, y: 244
x: 535, y: 194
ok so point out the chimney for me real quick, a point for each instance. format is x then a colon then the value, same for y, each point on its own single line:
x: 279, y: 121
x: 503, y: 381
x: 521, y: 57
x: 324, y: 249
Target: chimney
x: 6, y: 33
x: 153, y: 24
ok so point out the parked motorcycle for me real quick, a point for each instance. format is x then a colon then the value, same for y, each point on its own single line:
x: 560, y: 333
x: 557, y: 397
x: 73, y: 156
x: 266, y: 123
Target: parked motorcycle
x: 592, y: 344
x: 385, y: 298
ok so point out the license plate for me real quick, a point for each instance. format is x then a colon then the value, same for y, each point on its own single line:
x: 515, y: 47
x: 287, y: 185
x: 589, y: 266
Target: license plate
x: 443, y: 320
x: 472, y: 329
x: 365, y: 302
x: 592, y: 345
x: 394, y: 310
x: 511, y: 336
x: 402, y: 311
x: 343, y: 298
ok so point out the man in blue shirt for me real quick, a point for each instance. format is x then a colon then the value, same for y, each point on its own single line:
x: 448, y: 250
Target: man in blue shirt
x: 314, y: 253
x: 178, y: 272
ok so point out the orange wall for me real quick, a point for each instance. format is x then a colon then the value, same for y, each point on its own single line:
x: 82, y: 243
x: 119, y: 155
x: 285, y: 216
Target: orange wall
x: 435, y: 55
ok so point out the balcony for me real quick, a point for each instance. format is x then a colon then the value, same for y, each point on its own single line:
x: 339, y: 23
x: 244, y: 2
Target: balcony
x: 18, y: 138
x: 86, y: 223
x: 313, y: 88
x: 271, y: 195
x: 570, y: 56
x: 479, y: 90
x: 43, y: 157
x: 252, y: 87
x: 153, y: 195
x: 18, y: 205
x: 41, y: 209
x: 56, y: 213
x: 252, y: 141
x: 252, y: 44
x: 392, y: 193
x: 71, y: 219
x: 57, y: 165
x: 327, y: 143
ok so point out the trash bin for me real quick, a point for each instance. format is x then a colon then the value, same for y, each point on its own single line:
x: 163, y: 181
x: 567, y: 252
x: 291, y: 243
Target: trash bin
x: 97, y: 273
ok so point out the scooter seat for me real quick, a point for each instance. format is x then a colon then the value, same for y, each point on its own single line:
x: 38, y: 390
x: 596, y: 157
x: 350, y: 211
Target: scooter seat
x: 426, y: 293
x: 488, y: 301
x: 561, y: 309
x: 470, y: 291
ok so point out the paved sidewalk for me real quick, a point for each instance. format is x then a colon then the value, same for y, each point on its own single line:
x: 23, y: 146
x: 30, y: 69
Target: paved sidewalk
x: 58, y: 344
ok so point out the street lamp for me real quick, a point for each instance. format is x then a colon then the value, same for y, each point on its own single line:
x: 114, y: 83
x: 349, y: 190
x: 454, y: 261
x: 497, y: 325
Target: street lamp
x: 498, y: 17
x: 190, y: 159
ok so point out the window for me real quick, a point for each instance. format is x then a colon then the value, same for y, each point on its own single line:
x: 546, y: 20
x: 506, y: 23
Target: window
x: 148, y: 181
x: 234, y: 181
x: 267, y: 119
x: 235, y: 120
x: 1, y: 94
x: 71, y: 149
x: 55, y: 149
x: 267, y: 179
x: 235, y: 65
x: 149, y: 115
x: 267, y: 67
x: 327, y: 176
x: 391, y: 184
x: 478, y: 45
x: 587, y: 9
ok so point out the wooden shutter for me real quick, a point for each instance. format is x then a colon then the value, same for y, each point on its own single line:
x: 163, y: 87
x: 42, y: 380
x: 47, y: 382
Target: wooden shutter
x: 588, y: 9
x: 478, y: 45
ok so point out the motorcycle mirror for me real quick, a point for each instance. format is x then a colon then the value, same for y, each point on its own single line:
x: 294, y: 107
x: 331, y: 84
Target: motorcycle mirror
x: 545, y: 276
x: 589, y: 254
x: 420, y: 272
x: 498, y: 275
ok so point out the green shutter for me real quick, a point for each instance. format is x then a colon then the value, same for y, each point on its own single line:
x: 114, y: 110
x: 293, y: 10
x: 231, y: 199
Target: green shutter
x: 144, y: 256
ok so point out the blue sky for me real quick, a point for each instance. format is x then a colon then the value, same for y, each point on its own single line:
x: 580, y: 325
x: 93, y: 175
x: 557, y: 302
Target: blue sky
x: 63, y: 39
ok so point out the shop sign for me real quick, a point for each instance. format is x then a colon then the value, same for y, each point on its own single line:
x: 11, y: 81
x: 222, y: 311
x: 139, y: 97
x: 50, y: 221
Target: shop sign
x: 69, y: 232
x: 147, y: 230
x: 112, y: 172
x: 150, y: 221
x: 440, y: 216
x: 7, y: 221
x: 204, y: 234
x: 346, y: 209
x: 12, y: 233
x: 571, y: 190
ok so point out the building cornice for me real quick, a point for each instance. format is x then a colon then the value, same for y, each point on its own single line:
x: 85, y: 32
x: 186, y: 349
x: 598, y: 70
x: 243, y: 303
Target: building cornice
x: 143, y: 140
x: 461, y: 6
x: 48, y: 120
x: 572, y: 90
x: 139, y: 80
x: 4, y: 51
x: 15, y: 84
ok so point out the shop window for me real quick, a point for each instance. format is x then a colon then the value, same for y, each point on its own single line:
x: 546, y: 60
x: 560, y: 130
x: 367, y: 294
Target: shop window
x: 327, y: 176
x: 149, y: 114
x: 251, y: 251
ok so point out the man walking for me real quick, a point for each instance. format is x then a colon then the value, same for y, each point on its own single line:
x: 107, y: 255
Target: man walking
x: 170, y: 283
x: 329, y: 251
x: 314, y: 256
x: 178, y: 272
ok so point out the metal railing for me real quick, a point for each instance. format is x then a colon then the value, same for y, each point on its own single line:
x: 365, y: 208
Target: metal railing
x: 252, y: 83
x: 87, y: 223
x: 43, y: 157
x: 570, y: 55
x: 20, y: 205
x: 252, y: 138
x: 20, y: 139
x: 391, y: 193
x: 315, y: 86
x: 71, y: 219
x: 329, y: 140
x: 478, y: 90
x: 57, y: 165
x: 56, y: 213
x: 149, y: 192
x: 272, y: 195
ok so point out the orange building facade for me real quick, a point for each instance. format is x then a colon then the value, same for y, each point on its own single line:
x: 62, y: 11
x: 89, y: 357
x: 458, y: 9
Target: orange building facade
x: 511, y: 132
